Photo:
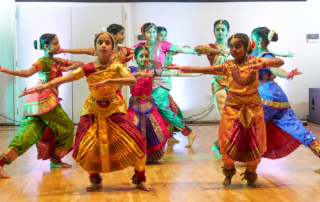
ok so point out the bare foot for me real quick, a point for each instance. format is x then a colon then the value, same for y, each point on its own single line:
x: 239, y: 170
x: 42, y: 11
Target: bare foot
x: 191, y: 138
x: 3, y: 174
x: 317, y: 171
x: 240, y: 164
x: 94, y: 186
x: 173, y: 140
x: 144, y: 186
x: 254, y: 184
x: 227, y: 181
x: 60, y: 165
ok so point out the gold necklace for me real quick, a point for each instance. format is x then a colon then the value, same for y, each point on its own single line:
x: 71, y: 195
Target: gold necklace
x: 246, y: 64
x: 221, y: 46
x: 101, y: 66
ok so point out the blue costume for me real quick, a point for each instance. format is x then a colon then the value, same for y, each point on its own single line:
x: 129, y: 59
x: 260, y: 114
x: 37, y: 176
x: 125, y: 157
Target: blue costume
x: 285, y: 131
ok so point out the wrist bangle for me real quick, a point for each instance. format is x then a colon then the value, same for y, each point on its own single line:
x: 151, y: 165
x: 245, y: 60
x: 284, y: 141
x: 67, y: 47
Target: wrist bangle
x: 50, y: 85
x: 186, y: 69
x: 106, y: 82
x: 191, y: 69
x: 204, y: 51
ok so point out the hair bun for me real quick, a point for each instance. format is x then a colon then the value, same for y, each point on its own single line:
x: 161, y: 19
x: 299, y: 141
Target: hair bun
x: 275, y: 37
x: 35, y: 44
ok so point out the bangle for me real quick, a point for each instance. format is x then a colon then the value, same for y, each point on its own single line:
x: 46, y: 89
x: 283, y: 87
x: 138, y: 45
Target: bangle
x: 64, y: 52
x: 177, y: 73
x: 204, y: 50
x: 120, y: 82
x: 50, y: 85
x: 106, y: 82
x: 39, y: 89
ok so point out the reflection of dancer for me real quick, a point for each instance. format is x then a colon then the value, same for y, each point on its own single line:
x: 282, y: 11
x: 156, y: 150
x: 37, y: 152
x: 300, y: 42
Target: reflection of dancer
x: 118, y: 33
x: 285, y: 131
x: 242, y: 132
x: 162, y: 85
x: 218, y: 53
x: 162, y: 36
x: 44, y: 121
x: 106, y: 139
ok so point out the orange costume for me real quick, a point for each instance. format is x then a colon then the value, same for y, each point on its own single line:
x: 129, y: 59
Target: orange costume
x: 106, y: 139
x: 242, y: 131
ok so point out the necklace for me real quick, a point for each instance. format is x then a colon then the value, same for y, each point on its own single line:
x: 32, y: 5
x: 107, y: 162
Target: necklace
x: 221, y: 46
x: 243, y: 66
x: 101, y: 66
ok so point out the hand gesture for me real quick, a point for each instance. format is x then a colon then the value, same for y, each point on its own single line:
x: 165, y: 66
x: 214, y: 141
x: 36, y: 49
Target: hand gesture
x: 289, y: 55
x: 147, y: 75
x: 27, y: 92
x: 64, y: 69
x: 173, y: 66
x: 4, y: 70
x: 100, y: 84
x: 61, y: 50
x: 293, y: 73
x: 260, y: 65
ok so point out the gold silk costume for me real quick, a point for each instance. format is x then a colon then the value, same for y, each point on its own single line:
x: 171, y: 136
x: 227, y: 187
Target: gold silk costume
x: 106, y: 146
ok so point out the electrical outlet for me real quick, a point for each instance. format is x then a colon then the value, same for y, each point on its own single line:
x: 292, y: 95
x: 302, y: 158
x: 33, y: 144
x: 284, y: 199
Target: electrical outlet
x: 208, y: 97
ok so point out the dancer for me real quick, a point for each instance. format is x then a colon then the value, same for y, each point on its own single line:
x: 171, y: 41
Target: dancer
x: 242, y: 132
x: 118, y: 33
x: 143, y: 110
x: 162, y: 36
x: 106, y: 139
x: 285, y: 131
x: 218, y: 53
x: 162, y: 85
x: 44, y: 121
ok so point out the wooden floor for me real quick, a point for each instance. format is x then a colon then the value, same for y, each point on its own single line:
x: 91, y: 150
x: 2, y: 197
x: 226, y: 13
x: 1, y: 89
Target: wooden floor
x: 192, y: 174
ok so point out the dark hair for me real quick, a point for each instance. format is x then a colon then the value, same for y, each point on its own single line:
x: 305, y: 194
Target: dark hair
x: 138, y: 49
x: 97, y: 36
x: 226, y: 23
x: 45, y: 39
x: 160, y: 29
x: 263, y: 32
x: 115, y: 28
x: 244, y: 39
x: 147, y: 25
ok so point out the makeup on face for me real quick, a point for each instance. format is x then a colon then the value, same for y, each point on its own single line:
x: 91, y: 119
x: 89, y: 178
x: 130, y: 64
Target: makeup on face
x: 143, y: 58
x: 220, y: 31
x: 151, y: 34
x: 104, y: 45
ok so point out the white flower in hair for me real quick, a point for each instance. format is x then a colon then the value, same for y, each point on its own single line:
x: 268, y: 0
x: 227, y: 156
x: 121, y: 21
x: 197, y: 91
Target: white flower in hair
x: 39, y: 44
x: 103, y: 29
x: 270, y: 35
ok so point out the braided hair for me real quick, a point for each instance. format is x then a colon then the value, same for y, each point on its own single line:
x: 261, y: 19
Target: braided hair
x: 263, y: 32
x: 115, y: 29
x: 226, y: 23
x: 138, y: 49
x: 45, y: 39
x: 244, y: 39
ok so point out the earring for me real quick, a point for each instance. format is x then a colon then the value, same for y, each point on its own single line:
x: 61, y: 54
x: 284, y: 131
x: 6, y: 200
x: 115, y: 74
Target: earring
x: 259, y: 46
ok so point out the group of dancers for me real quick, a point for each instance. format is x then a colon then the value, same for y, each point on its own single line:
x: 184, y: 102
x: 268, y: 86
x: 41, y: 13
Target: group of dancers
x: 112, y: 136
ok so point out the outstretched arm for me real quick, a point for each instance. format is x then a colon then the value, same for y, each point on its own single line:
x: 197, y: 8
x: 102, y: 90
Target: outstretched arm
x: 265, y: 63
x: 127, y: 80
x: 283, y: 74
x: 88, y: 51
x: 72, y: 65
x: 185, y: 49
x: 54, y: 83
x: 206, y: 50
x: 21, y: 73
x: 282, y: 54
x: 214, y: 70
x: 175, y: 73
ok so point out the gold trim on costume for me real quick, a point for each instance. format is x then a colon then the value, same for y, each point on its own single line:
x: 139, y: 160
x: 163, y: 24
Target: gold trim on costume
x: 79, y: 73
x: 274, y: 104
x: 40, y: 107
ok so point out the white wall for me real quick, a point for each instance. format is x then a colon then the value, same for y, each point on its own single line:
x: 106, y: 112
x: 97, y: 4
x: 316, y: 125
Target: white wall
x: 7, y: 33
x: 192, y: 24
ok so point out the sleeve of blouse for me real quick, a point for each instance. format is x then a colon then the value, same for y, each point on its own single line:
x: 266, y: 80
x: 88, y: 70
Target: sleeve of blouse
x: 139, y: 44
x: 123, y: 70
x: 38, y: 65
x: 133, y: 69
x: 168, y: 47
x: 79, y: 73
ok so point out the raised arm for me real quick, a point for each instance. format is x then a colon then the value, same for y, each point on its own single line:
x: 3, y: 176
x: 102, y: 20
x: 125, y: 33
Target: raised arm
x: 88, y: 51
x: 206, y: 50
x: 283, y: 74
x: 214, y: 70
x: 21, y: 73
x: 176, y: 74
x: 72, y: 65
x: 282, y: 54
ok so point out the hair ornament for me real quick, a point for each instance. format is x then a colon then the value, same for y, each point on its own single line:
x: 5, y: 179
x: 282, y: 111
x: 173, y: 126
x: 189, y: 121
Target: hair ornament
x: 39, y: 44
x: 233, y: 39
x: 270, y: 35
x: 104, y: 29
x: 253, y: 44
x: 142, y: 28
x: 221, y: 23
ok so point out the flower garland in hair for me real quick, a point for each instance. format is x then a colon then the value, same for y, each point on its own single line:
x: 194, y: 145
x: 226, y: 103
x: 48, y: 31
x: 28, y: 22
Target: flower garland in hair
x: 39, y: 44
x: 104, y: 29
x: 270, y: 35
